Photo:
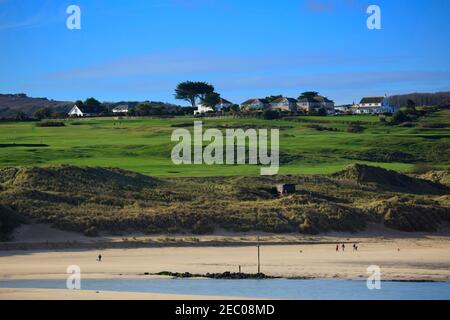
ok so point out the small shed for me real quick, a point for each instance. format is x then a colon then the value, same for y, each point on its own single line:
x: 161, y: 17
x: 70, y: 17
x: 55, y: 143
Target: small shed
x: 285, y: 188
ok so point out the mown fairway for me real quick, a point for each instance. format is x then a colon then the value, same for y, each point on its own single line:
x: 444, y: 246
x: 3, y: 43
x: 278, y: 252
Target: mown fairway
x: 143, y: 145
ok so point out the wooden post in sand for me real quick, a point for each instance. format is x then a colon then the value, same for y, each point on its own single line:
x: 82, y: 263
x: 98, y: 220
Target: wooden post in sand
x: 257, y: 242
x: 259, y: 264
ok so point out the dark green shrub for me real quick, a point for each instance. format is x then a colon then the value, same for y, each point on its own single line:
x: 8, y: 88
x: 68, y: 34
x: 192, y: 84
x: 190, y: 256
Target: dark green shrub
x: 400, y: 117
x: 434, y: 125
x: 321, y: 128
x: 353, y: 128
x: 50, y: 124
x: 271, y: 114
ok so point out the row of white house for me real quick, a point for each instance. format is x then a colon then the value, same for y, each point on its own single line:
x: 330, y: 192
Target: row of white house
x: 367, y: 105
x: 308, y: 104
x: 281, y: 104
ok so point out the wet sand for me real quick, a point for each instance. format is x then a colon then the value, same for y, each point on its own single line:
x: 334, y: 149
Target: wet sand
x: 55, y: 294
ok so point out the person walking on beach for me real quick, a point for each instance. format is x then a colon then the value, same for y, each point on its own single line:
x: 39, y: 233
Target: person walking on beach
x: 99, y: 258
x: 337, y: 248
x: 343, y: 247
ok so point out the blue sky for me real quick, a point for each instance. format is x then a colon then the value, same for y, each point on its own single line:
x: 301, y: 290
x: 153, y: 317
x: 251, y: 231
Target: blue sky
x: 140, y: 49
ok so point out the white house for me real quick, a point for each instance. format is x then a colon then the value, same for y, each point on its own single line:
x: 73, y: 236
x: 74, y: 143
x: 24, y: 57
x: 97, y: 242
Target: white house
x: 373, y: 105
x: 284, y: 104
x: 218, y: 107
x: 203, y: 109
x: 75, y: 112
x: 254, y: 104
x: 309, y: 104
x: 345, y: 108
x: 83, y: 111
x: 121, y: 109
x: 224, y: 103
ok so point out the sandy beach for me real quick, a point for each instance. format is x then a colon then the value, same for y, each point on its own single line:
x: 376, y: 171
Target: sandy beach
x: 401, y: 256
x: 424, y: 258
x: 54, y: 294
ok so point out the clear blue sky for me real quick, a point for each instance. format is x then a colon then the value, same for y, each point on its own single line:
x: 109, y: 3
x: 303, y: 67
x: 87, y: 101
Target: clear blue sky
x: 140, y: 49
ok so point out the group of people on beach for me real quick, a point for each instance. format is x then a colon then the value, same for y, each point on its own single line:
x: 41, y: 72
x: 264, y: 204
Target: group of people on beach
x: 355, y: 247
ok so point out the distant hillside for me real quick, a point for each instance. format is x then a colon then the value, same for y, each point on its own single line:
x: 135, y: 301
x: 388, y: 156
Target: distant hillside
x: 421, y: 99
x: 11, y: 104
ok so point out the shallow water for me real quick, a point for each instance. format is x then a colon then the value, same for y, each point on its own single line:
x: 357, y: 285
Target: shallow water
x: 275, y: 289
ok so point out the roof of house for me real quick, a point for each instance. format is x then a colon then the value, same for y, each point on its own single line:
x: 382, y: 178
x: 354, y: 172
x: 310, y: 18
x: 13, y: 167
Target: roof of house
x: 315, y: 99
x: 121, y: 107
x: 284, y: 99
x: 344, y: 106
x: 225, y: 101
x: 372, y: 100
x: 251, y: 101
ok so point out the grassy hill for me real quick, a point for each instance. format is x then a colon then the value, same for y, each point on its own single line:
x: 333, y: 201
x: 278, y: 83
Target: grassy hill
x: 114, y: 201
x: 421, y: 99
x: 11, y: 104
x: 309, y: 145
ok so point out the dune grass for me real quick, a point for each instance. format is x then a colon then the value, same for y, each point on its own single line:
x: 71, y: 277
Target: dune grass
x: 114, y: 201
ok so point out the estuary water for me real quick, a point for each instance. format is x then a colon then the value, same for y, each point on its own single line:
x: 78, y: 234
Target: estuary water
x: 316, y: 289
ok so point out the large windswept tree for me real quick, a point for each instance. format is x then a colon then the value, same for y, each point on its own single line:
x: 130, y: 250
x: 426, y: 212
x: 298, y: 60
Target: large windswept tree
x: 211, y: 99
x: 92, y: 102
x: 308, y: 94
x: 192, y: 91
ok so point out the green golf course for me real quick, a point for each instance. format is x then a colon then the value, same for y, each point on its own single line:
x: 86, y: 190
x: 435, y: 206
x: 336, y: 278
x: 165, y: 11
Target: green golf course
x: 308, y: 144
